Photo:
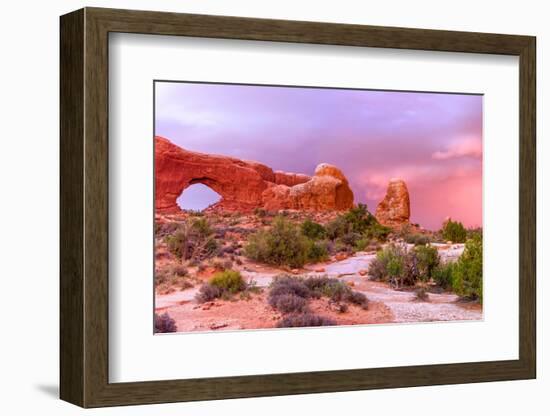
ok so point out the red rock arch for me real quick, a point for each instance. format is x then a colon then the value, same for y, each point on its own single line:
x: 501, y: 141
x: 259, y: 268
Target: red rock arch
x: 239, y: 183
x: 245, y: 185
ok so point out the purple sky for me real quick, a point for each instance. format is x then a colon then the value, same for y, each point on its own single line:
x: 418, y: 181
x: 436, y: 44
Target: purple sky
x: 432, y: 141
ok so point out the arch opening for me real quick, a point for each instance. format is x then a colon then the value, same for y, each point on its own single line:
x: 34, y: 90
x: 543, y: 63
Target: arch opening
x: 197, y: 197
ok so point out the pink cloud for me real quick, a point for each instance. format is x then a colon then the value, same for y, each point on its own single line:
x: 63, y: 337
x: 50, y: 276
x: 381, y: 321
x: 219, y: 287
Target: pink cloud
x: 469, y: 147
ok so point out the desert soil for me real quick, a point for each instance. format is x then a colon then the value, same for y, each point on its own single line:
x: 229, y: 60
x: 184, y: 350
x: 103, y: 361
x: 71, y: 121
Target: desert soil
x: 387, y: 305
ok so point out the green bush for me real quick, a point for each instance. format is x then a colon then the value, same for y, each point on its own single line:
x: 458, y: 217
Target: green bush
x: 317, y: 251
x: 362, y: 244
x: 467, y: 274
x: 284, y: 244
x: 357, y: 220
x: 313, y: 230
x: 443, y: 275
x: 192, y: 239
x: 401, y: 268
x: 222, y: 284
x: 454, y: 231
x: 475, y: 233
x: 417, y: 239
x: 336, y: 228
x: 355, y: 230
x: 228, y: 281
x: 377, y: 231
x: 427, y: 259
x: 389, y: 263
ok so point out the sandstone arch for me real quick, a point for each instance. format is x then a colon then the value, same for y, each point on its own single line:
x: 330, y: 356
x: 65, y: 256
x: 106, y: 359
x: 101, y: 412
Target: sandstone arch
x: 244, y: 185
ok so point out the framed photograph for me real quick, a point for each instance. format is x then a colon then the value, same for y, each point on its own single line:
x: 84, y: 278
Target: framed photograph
x: 254, y: 207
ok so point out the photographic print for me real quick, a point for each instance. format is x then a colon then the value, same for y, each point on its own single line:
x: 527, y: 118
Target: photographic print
x: 290, y: 206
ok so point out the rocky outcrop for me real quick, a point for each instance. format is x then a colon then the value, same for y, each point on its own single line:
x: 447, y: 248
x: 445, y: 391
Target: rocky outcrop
x: 394, y: 210
x: 328, y: 189
x: 245, y: 185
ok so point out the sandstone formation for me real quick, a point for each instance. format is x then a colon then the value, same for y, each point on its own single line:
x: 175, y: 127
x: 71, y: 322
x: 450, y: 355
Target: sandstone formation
x: 328, y: 189
x: 394, y: 210
x: 245, y: 185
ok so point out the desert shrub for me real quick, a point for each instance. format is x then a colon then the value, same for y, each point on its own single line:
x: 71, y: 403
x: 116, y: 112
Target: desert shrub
x: 358, y: 298
x: 164, y: 229
x: 304, y: 320
x: 442, y: 275
x: 283, y: 244
x: 313, y: 230
x: 179, y: 270
x: 336, y: 290
x: 284, y: 285
x: 161, y: 276
x: 164, y: 323
x: 378, y: 232
x: 474, y: 233
x: 222, y: 284
x: 222, y: 265
x: 395, y: 265
x: 207, y: 293
x: 411, y: 272
x: 336, y: 228
x: 427, y: 260
x: 288, y: 302
x: 421, y: 295
x: 326, y: 286
x: 317, y: 251
x: 467, y: 273
x: 229, y: 281
x: 356, y: 224
x: 356, y: 220
x: 359, y: 218
x: 350, y: 238
x: 362, y: 244
x: 417, y: 239
x: 377, y: 269
x: 172, y: 278
x: 454, y: 231
x: 193, y: 239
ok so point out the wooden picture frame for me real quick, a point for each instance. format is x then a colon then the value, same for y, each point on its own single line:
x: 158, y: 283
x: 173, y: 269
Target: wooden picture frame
x: 84, y: 207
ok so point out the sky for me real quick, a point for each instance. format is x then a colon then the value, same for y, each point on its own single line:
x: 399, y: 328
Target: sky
x: 433, y: 141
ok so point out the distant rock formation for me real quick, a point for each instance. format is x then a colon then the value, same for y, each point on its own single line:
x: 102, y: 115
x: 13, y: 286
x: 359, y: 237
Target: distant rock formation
x: 245, y: 185
x: 394, y: 210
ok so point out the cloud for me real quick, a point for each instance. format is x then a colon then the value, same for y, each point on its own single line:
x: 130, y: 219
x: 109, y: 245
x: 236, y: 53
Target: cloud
x: 468, y: 147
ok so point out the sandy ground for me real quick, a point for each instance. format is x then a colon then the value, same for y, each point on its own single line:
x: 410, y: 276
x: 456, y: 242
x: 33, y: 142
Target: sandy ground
x: 386, y: 304
x: 256, y: 313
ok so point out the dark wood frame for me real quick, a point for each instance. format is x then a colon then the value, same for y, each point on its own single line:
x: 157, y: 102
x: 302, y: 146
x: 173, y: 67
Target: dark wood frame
x: 84, y: 207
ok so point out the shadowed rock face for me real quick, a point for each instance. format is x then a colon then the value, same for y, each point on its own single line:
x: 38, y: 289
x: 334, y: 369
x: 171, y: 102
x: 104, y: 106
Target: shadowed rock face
x: 394, y: 210
x: 245, y: 185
